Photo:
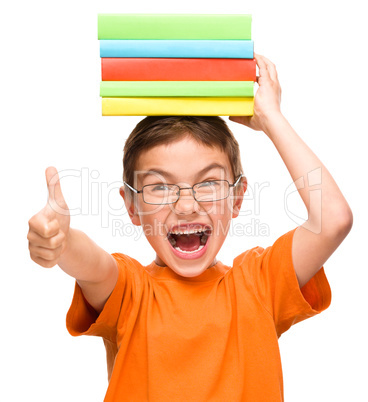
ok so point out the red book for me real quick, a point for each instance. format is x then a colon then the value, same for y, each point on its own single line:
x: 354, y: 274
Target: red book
x: 171, y: 69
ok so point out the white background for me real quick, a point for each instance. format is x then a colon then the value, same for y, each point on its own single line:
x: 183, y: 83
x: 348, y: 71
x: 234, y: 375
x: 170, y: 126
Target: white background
x: 51, y: 115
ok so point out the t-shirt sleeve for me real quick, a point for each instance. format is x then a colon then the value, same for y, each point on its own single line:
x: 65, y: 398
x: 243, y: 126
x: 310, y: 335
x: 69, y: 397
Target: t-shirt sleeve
x: 82, y: 319
x: 275, y: 283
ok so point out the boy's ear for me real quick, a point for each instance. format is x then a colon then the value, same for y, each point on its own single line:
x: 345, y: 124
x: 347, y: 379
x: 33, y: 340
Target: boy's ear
x: 130, y: 206
x: 240, y: 190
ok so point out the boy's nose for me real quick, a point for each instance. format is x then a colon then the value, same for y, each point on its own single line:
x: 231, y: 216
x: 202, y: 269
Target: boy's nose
x: 186, y: 203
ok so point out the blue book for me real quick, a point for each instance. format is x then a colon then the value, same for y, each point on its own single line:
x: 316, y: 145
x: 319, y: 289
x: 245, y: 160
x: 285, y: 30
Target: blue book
x: 230, y: 49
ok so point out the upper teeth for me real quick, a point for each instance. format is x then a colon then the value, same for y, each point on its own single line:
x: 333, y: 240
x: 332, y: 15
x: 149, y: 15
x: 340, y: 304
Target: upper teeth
x: 176, y: 232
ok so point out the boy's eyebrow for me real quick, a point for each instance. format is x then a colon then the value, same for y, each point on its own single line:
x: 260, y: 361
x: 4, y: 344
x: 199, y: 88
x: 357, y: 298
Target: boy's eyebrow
x: 170, y: 177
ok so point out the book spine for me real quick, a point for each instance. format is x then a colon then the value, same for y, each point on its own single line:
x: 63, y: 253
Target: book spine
x: 176, y: 88
x: 172, y: 69
x: 177, y: 106
x: 238, y: 49
x: 174, y: 26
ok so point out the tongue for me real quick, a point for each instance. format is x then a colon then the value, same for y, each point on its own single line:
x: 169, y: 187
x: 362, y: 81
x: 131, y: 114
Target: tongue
x: 188, y: 242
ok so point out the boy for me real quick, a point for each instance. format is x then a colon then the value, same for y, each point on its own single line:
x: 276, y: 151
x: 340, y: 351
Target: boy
x: 186, y: 327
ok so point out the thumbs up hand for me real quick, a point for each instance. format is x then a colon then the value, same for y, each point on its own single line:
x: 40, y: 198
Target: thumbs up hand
x: 49, y: 228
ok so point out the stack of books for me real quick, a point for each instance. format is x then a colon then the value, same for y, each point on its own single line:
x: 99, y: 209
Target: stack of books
x: 176, y: 64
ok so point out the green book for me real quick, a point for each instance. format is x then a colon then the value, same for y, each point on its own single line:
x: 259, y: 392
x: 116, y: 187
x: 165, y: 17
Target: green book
x: 174, y: 26
x: 176, y: 88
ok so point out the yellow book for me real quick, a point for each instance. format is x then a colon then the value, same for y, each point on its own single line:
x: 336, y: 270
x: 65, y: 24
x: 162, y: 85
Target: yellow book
x: 211, y: 106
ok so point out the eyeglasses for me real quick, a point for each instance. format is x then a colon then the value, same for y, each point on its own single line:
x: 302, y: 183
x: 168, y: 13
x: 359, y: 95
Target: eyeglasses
x: 206, y: 191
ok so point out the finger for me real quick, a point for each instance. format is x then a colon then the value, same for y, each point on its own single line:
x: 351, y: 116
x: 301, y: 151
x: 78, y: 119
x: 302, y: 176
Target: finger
x: 56, y: 201
x: 51, y: 243
x: 53, y: 185
x: 44, y: 263
x: 43, y: 225
x: 271, y: 69
x: 45, y: 253
x: 262, y: 66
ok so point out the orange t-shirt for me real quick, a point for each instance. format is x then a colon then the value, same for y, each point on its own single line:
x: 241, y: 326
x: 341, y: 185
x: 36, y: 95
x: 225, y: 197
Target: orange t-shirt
x: 209, y: 338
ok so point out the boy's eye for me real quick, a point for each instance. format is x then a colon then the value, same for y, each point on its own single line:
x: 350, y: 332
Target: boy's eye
x: 206, y: 184
x: 159, y: 187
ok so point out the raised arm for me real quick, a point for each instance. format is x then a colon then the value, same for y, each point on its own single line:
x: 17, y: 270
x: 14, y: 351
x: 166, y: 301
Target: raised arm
x: 329, y: 215
x: 52, y: 241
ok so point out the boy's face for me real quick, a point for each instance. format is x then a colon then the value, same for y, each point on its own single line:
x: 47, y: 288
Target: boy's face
x: 185, y: 163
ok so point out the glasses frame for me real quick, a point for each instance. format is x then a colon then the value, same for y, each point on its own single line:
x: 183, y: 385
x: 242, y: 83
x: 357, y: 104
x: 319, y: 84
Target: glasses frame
x: 184, y: 188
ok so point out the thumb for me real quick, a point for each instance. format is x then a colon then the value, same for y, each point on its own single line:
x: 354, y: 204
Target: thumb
x: 56, y: 199
x: 241, y: 119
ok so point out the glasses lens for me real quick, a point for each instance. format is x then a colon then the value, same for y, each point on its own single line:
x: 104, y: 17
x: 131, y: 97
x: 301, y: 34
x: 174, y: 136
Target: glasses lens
x: 160, y: 193
x: 211, y: 190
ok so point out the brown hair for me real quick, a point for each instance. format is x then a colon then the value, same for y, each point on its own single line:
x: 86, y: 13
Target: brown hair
x: 157, y: 130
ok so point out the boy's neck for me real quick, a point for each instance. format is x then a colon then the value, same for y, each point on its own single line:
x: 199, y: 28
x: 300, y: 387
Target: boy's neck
x: 160, y: 263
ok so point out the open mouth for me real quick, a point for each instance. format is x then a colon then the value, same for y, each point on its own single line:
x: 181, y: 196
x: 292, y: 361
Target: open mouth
x: 189, y: 241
